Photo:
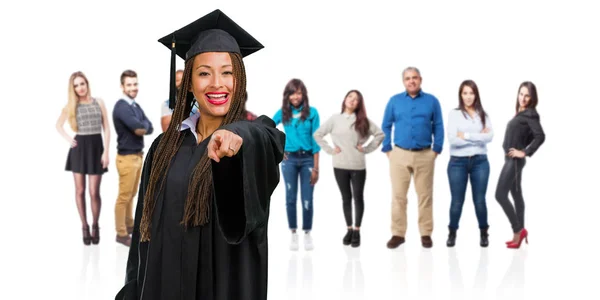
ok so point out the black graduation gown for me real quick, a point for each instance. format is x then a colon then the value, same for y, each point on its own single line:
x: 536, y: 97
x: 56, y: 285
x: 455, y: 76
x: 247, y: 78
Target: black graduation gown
x: 225, y: 259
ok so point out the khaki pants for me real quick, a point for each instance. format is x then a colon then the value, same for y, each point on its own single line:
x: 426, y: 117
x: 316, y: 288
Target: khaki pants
x: 130, y: 168
x: 404, y: 164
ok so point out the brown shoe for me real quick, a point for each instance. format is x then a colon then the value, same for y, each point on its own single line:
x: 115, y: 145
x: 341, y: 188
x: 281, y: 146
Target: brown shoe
x: 125, y: 240
x: 395, y: 241
x: 426, y: 241
x: 130, y: 230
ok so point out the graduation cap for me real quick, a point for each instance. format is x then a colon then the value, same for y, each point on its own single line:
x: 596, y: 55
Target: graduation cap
x: 214, y: 32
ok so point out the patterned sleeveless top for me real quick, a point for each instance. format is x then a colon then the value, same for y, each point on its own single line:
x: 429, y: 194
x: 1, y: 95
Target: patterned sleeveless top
x: 89, y: 118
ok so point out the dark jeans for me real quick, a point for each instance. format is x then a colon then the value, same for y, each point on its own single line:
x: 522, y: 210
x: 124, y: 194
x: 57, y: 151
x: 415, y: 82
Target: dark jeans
x: 298, y: 165
x: 460, y: 170
x: 352, y: 183
x: 510, y: 181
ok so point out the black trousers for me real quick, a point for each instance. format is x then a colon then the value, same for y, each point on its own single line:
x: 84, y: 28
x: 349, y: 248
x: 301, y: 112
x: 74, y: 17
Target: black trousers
x: 352, y: 183
x: 510, y: 181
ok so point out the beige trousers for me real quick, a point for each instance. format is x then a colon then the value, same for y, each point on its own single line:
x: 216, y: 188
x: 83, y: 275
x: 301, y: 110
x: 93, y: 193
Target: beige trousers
x: 130, y: 169
x: 404, y: 164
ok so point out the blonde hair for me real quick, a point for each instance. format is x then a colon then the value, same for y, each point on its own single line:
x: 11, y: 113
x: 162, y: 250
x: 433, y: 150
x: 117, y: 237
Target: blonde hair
x: 74, y: 99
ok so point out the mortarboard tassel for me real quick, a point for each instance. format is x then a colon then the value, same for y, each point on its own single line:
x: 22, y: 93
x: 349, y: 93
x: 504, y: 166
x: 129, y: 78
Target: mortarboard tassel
x: 173, y: 88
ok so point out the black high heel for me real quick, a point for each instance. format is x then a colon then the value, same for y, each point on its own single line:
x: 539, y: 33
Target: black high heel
x: 95, y: 234
x: 87, y: 239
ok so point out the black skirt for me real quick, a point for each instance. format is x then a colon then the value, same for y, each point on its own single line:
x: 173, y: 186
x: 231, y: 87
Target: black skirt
x: 86, y: 157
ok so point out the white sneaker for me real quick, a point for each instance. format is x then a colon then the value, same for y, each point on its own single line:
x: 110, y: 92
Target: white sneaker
x: 294, y: 244
x: 308, y: 242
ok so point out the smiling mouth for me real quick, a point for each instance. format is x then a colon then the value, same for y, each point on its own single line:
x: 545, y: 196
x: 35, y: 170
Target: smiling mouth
x: 217, y: 98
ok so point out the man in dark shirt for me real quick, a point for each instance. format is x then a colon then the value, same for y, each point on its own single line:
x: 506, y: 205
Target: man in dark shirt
x: 418, y: 139
x: 131, y: 124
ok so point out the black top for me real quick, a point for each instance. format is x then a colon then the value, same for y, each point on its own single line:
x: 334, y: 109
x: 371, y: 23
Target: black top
x: 225, y: 259
x: 126, y: 119
x: 524, y: 132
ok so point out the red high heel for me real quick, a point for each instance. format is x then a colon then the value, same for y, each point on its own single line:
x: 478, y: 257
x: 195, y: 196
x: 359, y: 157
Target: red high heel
x: 522, y: 236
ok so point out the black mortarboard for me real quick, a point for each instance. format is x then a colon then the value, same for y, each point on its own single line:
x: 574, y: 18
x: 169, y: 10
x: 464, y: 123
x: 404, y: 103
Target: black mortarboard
x: 214, y: 32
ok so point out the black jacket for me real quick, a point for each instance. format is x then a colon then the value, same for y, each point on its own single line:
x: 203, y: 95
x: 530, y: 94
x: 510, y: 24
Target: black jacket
x: 524, y: 132
x: 227, y: 258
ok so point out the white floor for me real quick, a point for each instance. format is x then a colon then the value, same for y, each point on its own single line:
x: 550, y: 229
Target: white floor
x: 43, y: 257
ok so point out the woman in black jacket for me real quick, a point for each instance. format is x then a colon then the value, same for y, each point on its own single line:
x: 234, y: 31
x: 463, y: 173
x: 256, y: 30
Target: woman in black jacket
x: 523, y: 137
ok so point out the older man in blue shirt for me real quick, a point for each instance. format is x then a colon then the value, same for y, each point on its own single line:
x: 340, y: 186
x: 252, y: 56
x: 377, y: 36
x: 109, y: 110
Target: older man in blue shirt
x: 418, y: 139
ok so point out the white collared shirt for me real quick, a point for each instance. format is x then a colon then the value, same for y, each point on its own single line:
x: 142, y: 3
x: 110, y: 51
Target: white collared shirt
x: 190, y: 123
x: 128, y: 99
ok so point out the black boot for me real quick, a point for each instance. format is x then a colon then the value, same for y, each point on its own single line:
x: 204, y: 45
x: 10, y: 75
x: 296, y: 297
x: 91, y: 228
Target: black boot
x: 451, y: 238
x: 348, y: 237
x: 484, y: 238
x: 356, y: 238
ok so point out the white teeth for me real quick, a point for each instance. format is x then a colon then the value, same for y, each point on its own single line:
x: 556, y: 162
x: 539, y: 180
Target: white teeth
x: 215, y: 96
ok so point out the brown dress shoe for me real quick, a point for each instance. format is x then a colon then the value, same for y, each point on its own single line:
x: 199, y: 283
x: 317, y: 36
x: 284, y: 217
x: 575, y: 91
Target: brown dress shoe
x: 130, y: 230
x: 395, y: 241
x: 426, y: 241
x: 125, y: 240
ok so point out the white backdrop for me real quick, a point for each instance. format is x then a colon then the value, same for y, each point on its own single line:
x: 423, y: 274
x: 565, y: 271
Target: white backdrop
x: 333, y: 47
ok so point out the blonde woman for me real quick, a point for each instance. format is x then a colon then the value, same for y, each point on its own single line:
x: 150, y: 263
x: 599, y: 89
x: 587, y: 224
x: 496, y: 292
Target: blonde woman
x: 88, y: 154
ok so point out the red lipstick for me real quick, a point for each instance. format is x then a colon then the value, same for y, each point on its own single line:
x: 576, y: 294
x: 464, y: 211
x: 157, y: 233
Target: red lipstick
x: 217, y: 98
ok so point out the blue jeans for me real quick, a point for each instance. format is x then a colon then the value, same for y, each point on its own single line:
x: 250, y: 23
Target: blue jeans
x: 460, y: 170
x: 298, y: 164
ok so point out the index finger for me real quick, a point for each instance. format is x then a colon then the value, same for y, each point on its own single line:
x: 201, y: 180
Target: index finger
x: 212, y: 151
x: 225, y: 144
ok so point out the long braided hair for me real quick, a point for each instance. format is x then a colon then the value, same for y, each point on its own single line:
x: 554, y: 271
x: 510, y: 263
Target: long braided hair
x: 197, y: 204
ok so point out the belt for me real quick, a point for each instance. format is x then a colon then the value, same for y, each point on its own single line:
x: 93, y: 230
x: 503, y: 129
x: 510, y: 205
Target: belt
x: 300, y: 152
x: 414, y: 149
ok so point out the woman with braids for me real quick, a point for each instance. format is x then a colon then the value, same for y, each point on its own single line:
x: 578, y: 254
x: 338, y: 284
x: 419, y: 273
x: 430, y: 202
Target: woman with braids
x: 201, y: 221
x: 88, y: 155
x: 300, y: 121
x: 350, y: 130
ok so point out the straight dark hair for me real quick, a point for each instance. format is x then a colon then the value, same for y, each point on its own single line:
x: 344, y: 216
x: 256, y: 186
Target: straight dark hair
x: 476, y: 103
x: 533, y: 96
x: 361, y: 125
